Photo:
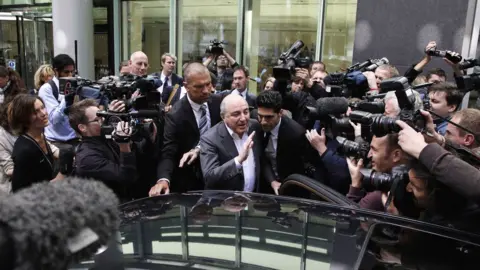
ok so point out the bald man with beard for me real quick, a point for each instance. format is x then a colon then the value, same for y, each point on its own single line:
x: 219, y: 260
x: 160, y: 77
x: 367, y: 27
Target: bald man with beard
x: 179, y: 166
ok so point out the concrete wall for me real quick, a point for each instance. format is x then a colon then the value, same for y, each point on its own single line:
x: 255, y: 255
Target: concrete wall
x: 401, y: 29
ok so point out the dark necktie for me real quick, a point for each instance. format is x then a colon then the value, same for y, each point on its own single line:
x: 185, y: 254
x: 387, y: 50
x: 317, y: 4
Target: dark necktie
x: 203, y: 124
x: 266, y: 139
x: 165, y: 83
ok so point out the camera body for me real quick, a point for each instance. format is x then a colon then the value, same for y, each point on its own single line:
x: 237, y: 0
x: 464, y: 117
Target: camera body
x: 123, y: 88
x: 140, y: 129
x: 445, y: 54
x: 287, y: 62
x: 215, y: 47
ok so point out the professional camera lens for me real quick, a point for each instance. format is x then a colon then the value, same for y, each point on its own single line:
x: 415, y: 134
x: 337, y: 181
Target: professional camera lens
x: 342, y: 125
x: 371, y: 107
x: 352, y: 149
x: 361, y: 117
x: 373, y: 180
x: 383, y: 125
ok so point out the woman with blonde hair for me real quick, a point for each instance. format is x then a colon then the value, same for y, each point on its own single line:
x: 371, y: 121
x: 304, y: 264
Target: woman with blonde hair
x: 43, y: 74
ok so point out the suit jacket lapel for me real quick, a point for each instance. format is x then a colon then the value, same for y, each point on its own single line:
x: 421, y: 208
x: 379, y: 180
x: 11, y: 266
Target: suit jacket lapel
x: 227, y: 140
x: 282, y: 138
x: 214, y: 109
x: 190, y: 115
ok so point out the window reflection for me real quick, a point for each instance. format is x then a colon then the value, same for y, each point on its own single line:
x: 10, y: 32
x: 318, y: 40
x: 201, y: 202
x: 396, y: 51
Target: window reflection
x: 146, y: 27
x: 339, y: 33
x: 271, y: 27
x: 204, y: 21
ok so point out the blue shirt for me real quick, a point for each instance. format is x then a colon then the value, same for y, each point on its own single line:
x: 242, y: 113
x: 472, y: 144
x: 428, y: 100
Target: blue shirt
x: 58, y: 128
x: 441, y: 126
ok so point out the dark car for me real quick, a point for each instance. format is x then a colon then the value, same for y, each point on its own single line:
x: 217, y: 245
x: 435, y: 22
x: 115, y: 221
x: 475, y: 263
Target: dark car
x: 236, y: 230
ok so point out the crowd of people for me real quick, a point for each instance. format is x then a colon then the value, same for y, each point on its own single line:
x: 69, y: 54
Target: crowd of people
x: 216, y: 134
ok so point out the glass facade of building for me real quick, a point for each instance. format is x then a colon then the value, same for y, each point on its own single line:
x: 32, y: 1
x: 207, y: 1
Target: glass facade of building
x: 256, y: 32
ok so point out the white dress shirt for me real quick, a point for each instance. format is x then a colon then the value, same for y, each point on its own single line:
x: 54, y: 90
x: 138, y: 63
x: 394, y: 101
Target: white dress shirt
x: 249, y: 164
x: 198, y: 113
x: 162, y: 78
x: 274, y: 135
x: 183, y: 92
x: 243, y: 94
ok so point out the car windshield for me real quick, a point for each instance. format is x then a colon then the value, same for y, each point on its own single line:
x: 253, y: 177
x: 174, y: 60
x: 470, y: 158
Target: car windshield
x: 227, y: 230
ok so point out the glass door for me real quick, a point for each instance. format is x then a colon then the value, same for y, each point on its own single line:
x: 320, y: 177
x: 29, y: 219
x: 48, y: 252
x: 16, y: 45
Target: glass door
x: 26, y: 42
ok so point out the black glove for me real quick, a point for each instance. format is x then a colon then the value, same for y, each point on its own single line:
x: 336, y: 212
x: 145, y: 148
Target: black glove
x: 65, y: 160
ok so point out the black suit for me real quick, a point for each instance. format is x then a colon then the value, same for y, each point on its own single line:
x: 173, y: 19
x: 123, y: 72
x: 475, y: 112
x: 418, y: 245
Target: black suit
x: 292, y: 151
x: 251, y: 99
x: 180, y: 136
x: 167, y: 89
x: 217, y: 155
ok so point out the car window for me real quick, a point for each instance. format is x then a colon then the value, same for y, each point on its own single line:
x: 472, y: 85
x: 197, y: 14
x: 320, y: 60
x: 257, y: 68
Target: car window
x: 407, y: 248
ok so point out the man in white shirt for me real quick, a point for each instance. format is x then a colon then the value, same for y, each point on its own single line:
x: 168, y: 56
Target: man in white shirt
x: 240, y: 81
x: 170, y: 79
x: 230, y: 151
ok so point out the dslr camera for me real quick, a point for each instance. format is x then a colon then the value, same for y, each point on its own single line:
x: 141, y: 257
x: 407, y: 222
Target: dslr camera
x: 352, y: 149
x: 395, y: 183
x: 215, y: 47
x: 383, y: 125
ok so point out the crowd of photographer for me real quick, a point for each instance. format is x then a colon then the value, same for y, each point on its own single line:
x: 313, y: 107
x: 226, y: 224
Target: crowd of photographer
x: 398, y: 144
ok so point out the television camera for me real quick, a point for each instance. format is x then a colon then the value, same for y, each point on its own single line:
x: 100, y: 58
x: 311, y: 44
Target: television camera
x: 352, y: 82
x: 290, y: 60
x: 216, y: 47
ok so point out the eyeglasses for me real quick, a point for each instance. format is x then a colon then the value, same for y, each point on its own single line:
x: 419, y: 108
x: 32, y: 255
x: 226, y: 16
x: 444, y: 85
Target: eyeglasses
x: 98, y: 120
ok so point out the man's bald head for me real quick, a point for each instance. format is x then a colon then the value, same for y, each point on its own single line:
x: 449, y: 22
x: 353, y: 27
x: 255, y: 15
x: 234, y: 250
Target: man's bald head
x: 138, y: 63
x: 235, y: 113
x: 230, y: 101
x: 197, y: 82
x: 194, y: 69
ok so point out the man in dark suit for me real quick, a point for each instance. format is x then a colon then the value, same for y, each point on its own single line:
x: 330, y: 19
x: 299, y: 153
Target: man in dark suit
x: 192, y: 116
x: 231, y: 151
x: 170, y: 79
x: 285, y: 144
x: 240, y: 80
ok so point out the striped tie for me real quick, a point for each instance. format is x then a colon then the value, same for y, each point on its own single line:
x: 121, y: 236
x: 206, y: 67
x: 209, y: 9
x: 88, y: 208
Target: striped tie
x: 203, y: 124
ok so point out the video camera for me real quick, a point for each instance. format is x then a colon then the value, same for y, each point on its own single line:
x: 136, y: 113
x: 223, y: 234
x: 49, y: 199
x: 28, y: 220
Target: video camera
x: 352, y: 82
x: 216, y: 47
x: 454, y: 58
x: 112, y: 88
x: 290, y: 60
x: 140, y: 128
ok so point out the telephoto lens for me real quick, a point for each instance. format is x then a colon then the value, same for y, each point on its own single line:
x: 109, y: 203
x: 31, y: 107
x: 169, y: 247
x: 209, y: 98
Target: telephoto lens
x: 371, y: 107
x: 383, y: 125
x: 352, y: 149
x: 361, y: 117
x: 373, y: 180
x: 341, y: 125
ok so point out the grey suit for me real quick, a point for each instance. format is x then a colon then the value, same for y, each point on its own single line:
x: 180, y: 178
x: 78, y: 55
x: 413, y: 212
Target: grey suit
x: 217, y: 158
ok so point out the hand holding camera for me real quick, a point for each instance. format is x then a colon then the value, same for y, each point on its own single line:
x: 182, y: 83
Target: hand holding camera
x: 122, y: 133
x: 411, y: 141
x: 117, y: 106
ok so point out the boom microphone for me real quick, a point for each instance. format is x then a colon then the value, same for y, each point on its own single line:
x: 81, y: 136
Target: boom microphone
x: 331, y: 105
x: 51, y: 225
